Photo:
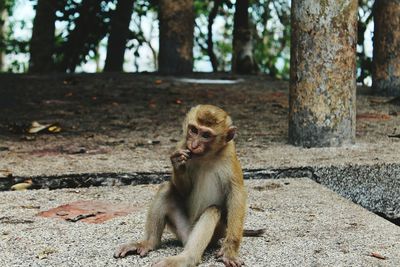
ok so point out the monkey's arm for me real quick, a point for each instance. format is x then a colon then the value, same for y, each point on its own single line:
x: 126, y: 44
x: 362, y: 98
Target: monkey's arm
x: 236, y: 206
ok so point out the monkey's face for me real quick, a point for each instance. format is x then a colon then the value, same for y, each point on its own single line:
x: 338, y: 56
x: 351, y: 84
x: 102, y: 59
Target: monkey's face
x: 199, y: 139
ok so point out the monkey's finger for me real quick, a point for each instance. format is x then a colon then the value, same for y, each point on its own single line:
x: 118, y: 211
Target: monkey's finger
x: 185, y: 153
x: 183, y: 158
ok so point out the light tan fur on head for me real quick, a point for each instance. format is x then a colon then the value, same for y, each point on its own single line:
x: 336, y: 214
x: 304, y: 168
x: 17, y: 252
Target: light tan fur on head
x: 214, y: 118
x: 207, y: 115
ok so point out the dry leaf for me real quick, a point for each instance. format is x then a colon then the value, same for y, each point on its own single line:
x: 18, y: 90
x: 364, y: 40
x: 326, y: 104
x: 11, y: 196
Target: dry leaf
x: 36, y: 127
x: 22, y: 186
x: 45, y: 253
x: 377, y: 255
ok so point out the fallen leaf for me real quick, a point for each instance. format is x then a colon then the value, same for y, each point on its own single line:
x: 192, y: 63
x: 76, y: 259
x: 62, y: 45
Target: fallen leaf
x: 158, y: 81
x: 36, y: 127
x: 22, y: 186
x: 256, y: 208
x: 377, y: 255
x: 45, y: 253
x: 30, y: 207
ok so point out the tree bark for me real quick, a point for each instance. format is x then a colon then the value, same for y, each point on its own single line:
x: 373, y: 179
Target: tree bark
x: 118, y: 35
x: 386, y: 55
x: 43, y: 37
x: 176, y: 36
x: 323, y: 73
x: 242, y: 58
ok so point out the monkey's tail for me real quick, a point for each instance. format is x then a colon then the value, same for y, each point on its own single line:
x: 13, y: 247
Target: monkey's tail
x: 258, y: 232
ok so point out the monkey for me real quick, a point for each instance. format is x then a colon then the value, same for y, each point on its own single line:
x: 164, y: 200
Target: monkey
x: 205, y: 200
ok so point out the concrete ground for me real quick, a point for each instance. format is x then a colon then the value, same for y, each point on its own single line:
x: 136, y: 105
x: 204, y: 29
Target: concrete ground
x: 306, y: 225
x: 120, y: 129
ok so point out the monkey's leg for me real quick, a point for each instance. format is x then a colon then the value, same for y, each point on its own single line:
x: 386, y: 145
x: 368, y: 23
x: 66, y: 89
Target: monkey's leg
x: 197, y: 242
x: 236, y: 203
x: 178, y: 221
x: 155, y: 224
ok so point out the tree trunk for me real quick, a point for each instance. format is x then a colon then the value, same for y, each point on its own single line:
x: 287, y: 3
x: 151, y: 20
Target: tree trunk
x: 386, y: 55
x: 210, y: 44
x: 323, y: 73
x: 80, y: 38
x: 176, y: 36
x: 118, y: 35
x: 3, y: 19
x: 43, y: 37
x: 242, y: 58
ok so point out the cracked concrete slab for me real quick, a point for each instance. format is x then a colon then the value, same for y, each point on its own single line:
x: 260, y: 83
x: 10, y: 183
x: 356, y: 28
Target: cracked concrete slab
x: 306, y: 225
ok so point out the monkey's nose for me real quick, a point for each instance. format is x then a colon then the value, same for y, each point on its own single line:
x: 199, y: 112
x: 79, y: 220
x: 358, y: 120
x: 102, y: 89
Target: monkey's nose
x: 194, y: 145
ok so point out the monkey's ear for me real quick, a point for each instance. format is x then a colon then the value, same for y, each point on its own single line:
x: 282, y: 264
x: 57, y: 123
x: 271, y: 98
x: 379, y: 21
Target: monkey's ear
x: 231, y: 133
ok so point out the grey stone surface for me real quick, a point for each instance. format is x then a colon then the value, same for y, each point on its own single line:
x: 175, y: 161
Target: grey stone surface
x: 306, y: 225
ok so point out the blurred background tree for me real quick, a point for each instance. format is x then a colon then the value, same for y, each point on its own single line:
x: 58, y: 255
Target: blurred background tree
x: 122, y: 35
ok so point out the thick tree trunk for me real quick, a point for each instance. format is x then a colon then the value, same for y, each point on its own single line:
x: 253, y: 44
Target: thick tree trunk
x: 118, y: 35
x: 386, y: 58
x: 176, y: 36
x: 242, y: 58
x: 323, y: 73
x: 43, y: 37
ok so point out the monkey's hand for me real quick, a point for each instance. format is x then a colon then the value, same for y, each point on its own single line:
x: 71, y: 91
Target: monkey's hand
x: 229, y: 259
x: 179, y: 158
x: 141, y: 248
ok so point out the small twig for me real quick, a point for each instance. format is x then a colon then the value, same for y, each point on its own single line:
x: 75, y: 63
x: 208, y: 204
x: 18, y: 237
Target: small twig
x: 83, y: 216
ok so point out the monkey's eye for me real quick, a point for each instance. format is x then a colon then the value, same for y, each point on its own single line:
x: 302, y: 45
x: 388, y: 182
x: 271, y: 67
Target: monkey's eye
x: 206, y: 135
x: 193, y: 130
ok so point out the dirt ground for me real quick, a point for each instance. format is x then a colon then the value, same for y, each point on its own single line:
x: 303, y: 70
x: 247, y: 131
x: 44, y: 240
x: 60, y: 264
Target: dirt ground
x: 131, y: 122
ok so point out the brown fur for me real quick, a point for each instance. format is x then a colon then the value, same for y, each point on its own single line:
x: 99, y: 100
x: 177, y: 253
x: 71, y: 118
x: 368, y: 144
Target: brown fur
x: 205, y: 199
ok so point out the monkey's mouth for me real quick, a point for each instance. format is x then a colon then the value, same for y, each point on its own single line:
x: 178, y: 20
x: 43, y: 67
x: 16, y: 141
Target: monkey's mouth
x: 195, y: 154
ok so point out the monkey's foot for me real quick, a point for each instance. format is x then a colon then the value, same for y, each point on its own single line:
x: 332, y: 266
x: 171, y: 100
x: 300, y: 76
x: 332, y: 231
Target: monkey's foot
x: 175, y: 261
x: 140, y: 248
x: 229, y: 261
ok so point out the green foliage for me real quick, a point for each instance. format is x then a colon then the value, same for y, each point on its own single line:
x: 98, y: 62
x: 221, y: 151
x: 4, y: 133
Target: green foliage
x: 364, y: 61
x: 271, y: 32
x: 222, y: 40
x: 71, y: 50
x: 269, y: 19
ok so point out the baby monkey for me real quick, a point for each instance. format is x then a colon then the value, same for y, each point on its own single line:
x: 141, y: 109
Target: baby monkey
x: 205, y: 200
